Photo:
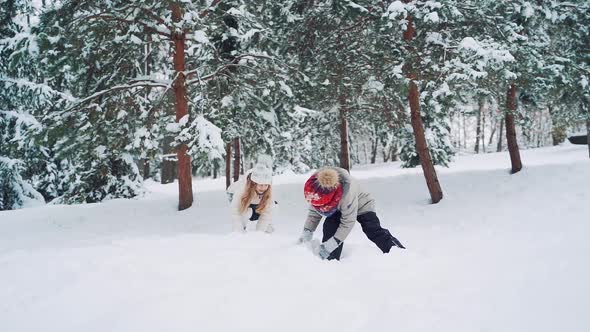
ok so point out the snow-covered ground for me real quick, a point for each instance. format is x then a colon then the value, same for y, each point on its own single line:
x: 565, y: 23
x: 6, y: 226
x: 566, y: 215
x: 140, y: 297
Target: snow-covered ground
x: 501, y: 252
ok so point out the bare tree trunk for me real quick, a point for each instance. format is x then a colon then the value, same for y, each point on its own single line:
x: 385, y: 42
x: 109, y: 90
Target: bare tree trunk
x: 145, y: 162
x: 356, y: 156
x: 344, y: 157
x: 558, y: 134
x: 478, y: 126
x: 494, y: 128
x: 227, y: 165
x: 499, y: 147
x: 237, y: 155
x: 483, y: 127
x: 185, y: 189
x: 374, y: 147
x: 242, y: 161
x: 464, y: 131
x: 511, y: 130
x: 540, y: 129
x: 144, y: 165
x: 460, y: 129
x: 393, y: 153
x: 436, y: 193
x: 434, y: 188
x: 215, y: 169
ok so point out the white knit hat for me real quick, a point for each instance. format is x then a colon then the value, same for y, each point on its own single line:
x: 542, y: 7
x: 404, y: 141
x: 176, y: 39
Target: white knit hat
x: 261, y: 174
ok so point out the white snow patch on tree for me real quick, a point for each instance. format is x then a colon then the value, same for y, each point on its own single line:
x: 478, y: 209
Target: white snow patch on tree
x: 248, y: 35
x: 433, y: 4
x: 397, y: 8
x: 15, y: 192
x: 183, y: 121
x: 432, y: 17
x: 435, y: 38
x: 235, y: 12
x: 488, y: 52
x: 227, y: 101
x: 528, y: 10
x: 286, y: 88
x: 100, y: 151
x: 584, y: 82
x: 269, y: 116
x: 373, y: 85
x: 135, y: 40
x: 173, y: 127
x: 357, y: 6
x: 302, y: 111
x: 200, y: 36
x: 206, y: 139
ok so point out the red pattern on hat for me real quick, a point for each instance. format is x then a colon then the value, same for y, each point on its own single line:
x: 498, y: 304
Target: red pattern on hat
x: 322, y: 199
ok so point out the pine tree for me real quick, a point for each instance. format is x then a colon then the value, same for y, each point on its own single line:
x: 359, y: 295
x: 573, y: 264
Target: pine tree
x: 568, y: 65
x: 22, y: 95
x: 102, y: 46
x: 334, y: 47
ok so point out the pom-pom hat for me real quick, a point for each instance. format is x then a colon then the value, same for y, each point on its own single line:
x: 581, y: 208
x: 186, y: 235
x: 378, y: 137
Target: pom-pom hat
x: 261, y: 174
x: 324, y: 191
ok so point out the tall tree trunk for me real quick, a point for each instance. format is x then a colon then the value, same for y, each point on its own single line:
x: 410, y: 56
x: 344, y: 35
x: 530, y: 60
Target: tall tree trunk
x: 511, y: 130
x: 500, y: 134
x: 588, y: 132
x: 227, y: 165
x: 542, y: 129
x: 434, y: 188
x: 237, y: 155
x: 344, y: 156
x: 393, y: 153
x: 494, y: 128
x: 558, y: 132
x: 144, y: 165
x: 185, y: 189
x: 457, y: 133
x: 436, y: 193
x: 464, y: 131
x: 147, y: 72
x: 242, y: 161
x: 478, y: 126
x: 215, y: 169
x: 483, y: 128
x: 374, y: 147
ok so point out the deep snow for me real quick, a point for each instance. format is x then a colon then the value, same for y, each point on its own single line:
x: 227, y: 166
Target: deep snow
x: 501, y: 252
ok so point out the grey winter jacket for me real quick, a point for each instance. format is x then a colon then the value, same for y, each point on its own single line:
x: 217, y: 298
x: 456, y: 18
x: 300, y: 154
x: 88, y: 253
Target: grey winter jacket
x: 355, y: 201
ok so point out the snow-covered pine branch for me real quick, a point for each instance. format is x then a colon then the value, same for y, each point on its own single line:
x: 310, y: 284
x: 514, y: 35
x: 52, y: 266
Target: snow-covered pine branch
x: 41, y: 88
x: 141, y: 83
x: 220, y: 70
x: 159, y: 29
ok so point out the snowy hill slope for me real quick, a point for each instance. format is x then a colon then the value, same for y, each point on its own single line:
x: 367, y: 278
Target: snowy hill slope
x: 501, y: 252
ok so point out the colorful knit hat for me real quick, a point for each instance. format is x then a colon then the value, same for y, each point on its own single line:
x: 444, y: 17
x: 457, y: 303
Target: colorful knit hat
x: 324, y: 191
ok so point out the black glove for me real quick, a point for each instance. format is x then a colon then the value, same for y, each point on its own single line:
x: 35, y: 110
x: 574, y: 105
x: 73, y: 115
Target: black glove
x: 396, y: 243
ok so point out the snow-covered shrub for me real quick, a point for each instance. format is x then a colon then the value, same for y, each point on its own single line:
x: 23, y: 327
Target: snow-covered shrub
x: 15, y: 192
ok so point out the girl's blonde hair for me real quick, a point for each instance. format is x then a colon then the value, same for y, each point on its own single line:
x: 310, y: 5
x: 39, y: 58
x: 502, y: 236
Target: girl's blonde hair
x: 250, y: 192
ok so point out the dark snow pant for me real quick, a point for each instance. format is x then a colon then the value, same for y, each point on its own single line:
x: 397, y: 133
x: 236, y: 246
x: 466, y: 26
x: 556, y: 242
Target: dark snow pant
x: 371, y: 227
